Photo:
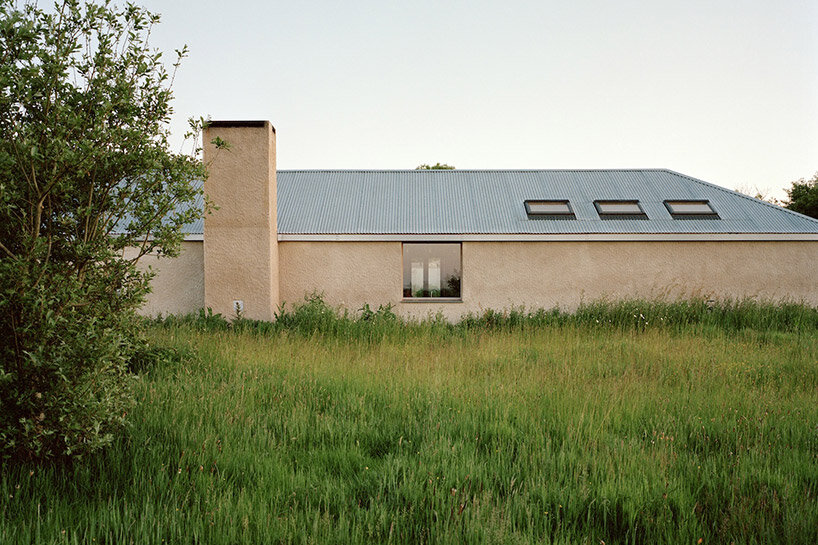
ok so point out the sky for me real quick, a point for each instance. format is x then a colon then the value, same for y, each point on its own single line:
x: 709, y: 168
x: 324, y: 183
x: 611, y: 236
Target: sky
x: 722, y: 90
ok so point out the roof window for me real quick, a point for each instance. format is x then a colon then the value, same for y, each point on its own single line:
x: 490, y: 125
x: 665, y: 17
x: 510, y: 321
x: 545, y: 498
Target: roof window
x: 549, y: 210
x: 691, y: 210
x: 620, y: 210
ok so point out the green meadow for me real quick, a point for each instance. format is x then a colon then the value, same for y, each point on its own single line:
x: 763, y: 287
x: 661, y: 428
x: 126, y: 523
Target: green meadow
x: 626, y: 423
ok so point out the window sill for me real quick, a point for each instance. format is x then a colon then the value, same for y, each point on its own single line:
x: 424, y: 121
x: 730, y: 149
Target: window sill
x: 431, y: 300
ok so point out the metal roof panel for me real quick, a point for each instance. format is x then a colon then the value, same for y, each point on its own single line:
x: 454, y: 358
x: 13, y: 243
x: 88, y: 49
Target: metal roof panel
x: 492, y: 202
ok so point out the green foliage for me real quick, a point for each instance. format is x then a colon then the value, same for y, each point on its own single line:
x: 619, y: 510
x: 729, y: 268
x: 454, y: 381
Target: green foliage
x: 87, y: 187
x: 567, y: 432
x: 314, y: 317
x: 436, y: 166
x: 204, y: 320
x: 64, y: 388
x: 149, y: 356
x: 802, y: 197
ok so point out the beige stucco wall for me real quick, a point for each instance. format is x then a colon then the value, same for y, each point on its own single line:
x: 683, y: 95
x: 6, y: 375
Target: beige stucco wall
x: 178, y: 287
x: 240, y: 255
x: 348, y: 274
x: 501, y: 275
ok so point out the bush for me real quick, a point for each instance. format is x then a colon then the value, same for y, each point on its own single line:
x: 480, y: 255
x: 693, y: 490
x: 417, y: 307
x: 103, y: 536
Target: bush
x: 88, y: 185
x: 64, y: 385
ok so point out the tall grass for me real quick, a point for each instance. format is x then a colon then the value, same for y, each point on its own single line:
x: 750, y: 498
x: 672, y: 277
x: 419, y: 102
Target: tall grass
x: 631, y: 423
x: 314, y: 316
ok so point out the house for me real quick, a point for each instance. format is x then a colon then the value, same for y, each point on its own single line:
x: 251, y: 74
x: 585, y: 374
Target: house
x: 462, y: 241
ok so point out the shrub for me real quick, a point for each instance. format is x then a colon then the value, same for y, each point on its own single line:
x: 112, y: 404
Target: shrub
x: 64, y: 385
x: 86, y: 177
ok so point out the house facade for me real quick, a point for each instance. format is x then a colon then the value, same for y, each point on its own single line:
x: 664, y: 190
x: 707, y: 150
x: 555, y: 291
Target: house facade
x: 461, y: 241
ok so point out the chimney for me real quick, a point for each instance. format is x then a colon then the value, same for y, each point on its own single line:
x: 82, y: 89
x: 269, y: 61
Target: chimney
x: 241, y: 237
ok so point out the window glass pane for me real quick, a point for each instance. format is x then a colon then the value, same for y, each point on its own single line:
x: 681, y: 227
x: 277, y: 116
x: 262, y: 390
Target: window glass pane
x: 431, y: 270
x: 625, y: 207
x: 417, y: 279
x: 689, y: 207
x: 434, y: 277
x: 548, y: 207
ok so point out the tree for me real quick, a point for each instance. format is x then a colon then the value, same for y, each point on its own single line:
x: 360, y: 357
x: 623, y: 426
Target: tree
x: 759, y: 194
x: 802, y: 196
x: 85, y: 172
x: 436, y: 166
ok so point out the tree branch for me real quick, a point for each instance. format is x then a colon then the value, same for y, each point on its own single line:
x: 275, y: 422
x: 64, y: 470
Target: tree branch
x: 8, y: 252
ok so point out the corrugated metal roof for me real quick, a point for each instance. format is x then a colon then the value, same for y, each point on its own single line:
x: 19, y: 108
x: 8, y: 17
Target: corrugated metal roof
x: 197, y: 227
x: 492, y: 202
x: 194, y: 228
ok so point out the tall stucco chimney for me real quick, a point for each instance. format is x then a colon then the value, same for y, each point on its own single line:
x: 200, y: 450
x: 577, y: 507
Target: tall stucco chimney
x: 241, y: 237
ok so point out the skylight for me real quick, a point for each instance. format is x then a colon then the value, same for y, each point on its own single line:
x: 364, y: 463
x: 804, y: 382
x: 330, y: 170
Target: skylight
x: 620, y: 210
x: 682, y: 210
x: 549, y: 210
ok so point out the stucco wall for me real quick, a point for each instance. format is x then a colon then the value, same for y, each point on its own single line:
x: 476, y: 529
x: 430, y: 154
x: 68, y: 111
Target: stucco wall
x: 241, y: 259
x: 178, y: 287
x: 346, y: 273
x: 500, y: 275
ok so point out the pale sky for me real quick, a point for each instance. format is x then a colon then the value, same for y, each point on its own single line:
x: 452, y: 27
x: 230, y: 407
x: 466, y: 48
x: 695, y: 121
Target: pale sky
x: 726, y: 91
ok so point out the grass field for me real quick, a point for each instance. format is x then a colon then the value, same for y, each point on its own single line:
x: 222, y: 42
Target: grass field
x: 620, y: 424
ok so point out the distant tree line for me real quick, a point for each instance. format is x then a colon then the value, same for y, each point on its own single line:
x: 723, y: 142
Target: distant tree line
x: 802, y: 196
x: 436, y: 166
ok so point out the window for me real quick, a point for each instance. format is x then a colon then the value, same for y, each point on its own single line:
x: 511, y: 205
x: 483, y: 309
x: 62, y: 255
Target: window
x: 431, y: 270
x: 549, y: 210
x: 691, y: 210
x: 620, y: 210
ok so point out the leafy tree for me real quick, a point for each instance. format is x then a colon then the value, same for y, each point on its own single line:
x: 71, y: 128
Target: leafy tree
x: 436, y: 166
x: 85, y: 173
x: 802, y: 196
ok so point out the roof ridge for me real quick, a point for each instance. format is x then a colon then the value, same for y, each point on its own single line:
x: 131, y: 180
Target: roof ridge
x: 474, y: 170
x: 739, y: 194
